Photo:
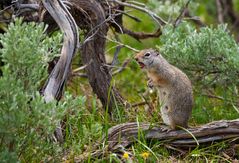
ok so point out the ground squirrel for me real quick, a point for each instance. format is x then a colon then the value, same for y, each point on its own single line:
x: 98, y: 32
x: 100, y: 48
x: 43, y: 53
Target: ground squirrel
x: 175, y: 88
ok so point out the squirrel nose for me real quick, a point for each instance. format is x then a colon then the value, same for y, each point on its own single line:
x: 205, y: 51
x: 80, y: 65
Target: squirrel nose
x: 136, y: 59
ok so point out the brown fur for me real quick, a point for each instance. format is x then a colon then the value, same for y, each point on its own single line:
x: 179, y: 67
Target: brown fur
x: 175, y: 88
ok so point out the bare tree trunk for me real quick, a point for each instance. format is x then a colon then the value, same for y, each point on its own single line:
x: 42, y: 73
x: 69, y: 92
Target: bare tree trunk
x: 93, y: 52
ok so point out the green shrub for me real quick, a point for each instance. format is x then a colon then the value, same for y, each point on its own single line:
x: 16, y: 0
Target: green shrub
x: 26, y: 121
x: 209, y: 55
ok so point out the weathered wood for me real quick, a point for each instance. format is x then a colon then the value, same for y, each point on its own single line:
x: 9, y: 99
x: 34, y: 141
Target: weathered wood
x: 127, y: 133
x: 123, y: 135
x: 91, y: 16
x: 94, y: 18
x: 56, y: 81
x: 58, y: 77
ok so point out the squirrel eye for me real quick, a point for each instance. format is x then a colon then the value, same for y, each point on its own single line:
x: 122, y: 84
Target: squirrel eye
x: 147, y: 54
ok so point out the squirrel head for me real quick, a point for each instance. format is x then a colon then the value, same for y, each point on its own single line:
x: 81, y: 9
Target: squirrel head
x: 147, y: 58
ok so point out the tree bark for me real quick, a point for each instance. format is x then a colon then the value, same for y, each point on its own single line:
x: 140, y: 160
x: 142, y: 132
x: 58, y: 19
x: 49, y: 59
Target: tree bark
x: 121, y: 136
x: 55, y: 83
x: 90, y: 16
x: 93, y: 50
x: 125, y: 134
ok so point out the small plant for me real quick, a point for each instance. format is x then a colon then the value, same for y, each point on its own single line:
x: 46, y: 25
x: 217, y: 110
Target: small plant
x: 26, y: 121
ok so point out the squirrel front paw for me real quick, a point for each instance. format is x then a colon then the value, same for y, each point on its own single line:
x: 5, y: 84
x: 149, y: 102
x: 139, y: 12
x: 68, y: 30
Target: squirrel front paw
x: 150, y: 83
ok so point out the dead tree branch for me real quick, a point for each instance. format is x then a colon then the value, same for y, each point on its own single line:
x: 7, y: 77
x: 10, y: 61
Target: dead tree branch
x: 124, y: 45
x: 123, y: 135
x: 125, y: 63
x: 220, y: 15
x: 181, y: 14
x: 158, y: 19
x: 55, y: 83
x: 94, y: 49
x: 126, y: 134
x: 117, y: 22
x: 141, y: 35
x: 58, y: 77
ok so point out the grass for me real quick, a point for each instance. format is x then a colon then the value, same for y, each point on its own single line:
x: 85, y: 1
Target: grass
x: 89, y: 127
x: 86, y: 126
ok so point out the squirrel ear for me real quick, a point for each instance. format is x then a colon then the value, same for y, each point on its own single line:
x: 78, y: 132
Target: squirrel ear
x: 157, y: 52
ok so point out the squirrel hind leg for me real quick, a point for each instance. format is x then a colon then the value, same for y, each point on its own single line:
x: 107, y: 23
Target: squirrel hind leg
x: 167, y: 128
x: 172, y: 126
x: 178, y: 120
x: 179, y: 124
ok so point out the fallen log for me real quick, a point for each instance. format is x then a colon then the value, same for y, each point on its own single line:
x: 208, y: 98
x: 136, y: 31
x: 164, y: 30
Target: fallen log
x: 121, y: 136
x: 125, y: 134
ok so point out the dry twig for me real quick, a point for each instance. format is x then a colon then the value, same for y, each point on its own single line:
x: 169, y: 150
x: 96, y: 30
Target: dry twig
x: 158, y: 19
x: 181, y: 14
x: 124, y: 45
